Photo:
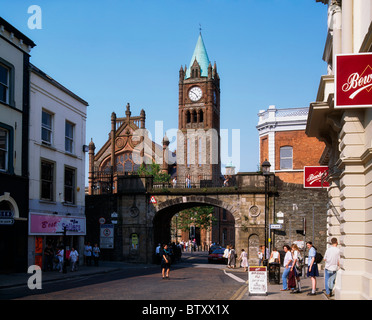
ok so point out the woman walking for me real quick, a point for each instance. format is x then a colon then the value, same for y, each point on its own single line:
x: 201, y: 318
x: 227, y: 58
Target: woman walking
x: 165, y: 262
x: 232, y: 256
x: 244, y: 260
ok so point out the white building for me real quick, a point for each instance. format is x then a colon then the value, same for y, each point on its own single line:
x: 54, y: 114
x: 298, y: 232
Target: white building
x: 15, y: 50
x: 57, y: 165
x: 347, y: 132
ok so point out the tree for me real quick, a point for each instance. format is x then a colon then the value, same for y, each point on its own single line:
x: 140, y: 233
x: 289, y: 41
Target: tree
x: 198, y: 216
x: 154, y: 170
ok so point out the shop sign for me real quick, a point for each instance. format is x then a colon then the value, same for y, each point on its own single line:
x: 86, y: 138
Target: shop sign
x: 47, y: 224
x: 314, y: 177
x: 353, y: 80
x: 257, y: 280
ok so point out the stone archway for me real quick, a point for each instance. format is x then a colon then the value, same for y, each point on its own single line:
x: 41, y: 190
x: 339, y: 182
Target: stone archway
x: 167, y: 209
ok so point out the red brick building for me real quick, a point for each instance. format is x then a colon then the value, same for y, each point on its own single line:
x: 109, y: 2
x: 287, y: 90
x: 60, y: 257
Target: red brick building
x: 285, y: 145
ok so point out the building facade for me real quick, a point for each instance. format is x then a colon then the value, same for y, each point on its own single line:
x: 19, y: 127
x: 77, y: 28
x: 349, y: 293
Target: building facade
x: 57, y: 166
x: 347, y: 133
x: 127, y: 148
x: 283, y: 142
x: 14, y: 121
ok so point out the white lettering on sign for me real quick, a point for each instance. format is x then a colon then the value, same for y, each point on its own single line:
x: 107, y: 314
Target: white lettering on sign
x: 316, y: 177
x: 355, y: 81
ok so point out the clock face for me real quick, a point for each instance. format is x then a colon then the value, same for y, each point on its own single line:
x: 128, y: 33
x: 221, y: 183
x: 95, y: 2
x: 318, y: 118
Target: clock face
x: 195, y: 93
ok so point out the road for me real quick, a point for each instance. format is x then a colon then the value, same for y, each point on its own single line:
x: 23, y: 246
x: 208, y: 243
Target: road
x: 192, y: 279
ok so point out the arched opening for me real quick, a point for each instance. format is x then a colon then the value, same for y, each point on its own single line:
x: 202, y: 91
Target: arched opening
x: 167, y: 228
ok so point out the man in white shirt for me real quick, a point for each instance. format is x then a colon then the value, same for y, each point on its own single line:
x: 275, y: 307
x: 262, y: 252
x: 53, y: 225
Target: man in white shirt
x: 74, y: 257
x: 332, y: 262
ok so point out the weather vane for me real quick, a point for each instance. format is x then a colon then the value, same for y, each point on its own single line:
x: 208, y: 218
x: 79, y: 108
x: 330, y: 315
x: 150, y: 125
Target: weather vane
x: 200, y: 28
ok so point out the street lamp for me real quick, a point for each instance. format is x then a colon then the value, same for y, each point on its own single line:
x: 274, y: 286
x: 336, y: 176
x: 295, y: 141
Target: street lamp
x: 266, y: 172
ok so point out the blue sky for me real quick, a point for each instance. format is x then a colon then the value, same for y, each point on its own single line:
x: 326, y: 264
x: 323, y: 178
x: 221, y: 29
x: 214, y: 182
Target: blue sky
x: 268, y: 52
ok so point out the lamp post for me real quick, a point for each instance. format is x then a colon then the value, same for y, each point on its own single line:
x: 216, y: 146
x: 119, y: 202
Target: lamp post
x: 266, y: 172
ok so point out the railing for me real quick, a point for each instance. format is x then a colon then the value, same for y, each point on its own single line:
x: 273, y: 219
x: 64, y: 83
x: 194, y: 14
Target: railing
x: 196, y: 182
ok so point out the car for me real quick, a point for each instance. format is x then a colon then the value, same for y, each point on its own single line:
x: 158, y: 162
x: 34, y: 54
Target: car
x: 217, y: 256
x: 214, y: 247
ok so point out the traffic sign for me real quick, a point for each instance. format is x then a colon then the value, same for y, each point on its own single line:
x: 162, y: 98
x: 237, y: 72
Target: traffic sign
x: 276, y: 226
x: 153, y: 200
x: 7, y: 222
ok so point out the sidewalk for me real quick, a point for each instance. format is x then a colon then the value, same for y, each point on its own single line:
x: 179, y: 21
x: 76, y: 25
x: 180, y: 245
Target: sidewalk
x: 274, y: 293
x: 20, y: 279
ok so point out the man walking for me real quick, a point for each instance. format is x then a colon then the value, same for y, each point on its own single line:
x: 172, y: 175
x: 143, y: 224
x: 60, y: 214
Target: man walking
x: 332, y: 263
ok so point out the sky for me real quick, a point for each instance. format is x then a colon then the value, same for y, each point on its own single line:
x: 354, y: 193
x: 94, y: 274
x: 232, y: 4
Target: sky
x: 114, y: 52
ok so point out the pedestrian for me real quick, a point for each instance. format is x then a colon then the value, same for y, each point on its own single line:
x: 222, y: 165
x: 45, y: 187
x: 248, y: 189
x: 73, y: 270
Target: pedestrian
x: 188, y: 182
x: 226, y: 255
x: 244, y: 260
x: 74, y: 257
x: 275, y: 256
x: 232, y: 257
x: 88, y: 254
x: 174, y: 182
x: 260, y: 255
x: 332, y: 263
x: 96, y: 252
x: 165, y: 261
x: 49, y: 255
x: 312, y: 270
x: 157, y: 254
x: 297, y: 265
x: 60, y: 256
x: 287, y: 266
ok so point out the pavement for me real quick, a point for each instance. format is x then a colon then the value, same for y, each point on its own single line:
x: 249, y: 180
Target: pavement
x: 273, y: 290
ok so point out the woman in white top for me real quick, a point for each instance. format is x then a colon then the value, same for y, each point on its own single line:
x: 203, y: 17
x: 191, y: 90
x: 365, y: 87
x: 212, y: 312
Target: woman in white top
x: 287, y: 265
x: 297, y: 266
x: 244, y: 260
x: 275, y: 256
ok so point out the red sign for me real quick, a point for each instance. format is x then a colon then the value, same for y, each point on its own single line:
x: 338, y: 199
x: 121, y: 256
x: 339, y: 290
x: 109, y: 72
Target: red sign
x: 353, y: 80
x: 314, y: 177
x: 153, y: 200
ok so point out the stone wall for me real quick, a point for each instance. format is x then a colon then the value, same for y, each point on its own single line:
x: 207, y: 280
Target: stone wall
x: 298, y: 203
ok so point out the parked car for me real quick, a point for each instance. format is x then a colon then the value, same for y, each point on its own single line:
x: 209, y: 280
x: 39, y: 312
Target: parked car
x: 217, y: 256
x: 214, y: 247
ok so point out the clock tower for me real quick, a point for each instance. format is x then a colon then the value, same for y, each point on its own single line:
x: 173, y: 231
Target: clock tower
x: 198, y: 141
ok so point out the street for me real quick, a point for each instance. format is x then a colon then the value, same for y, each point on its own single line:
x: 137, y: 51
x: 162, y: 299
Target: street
x: 191, y: 279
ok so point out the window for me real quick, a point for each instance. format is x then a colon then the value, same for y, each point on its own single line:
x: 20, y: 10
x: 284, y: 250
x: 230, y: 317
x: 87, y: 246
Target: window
x: 4, y: 84
x: 69, y: 185
x: 286, y: 158
x: 4, y: 150
x: 188, y: 117
x: 69, y: 137
x: 188, y: 152
x: 46, y: 128
x: 47, y: 180
x: 200, y: 152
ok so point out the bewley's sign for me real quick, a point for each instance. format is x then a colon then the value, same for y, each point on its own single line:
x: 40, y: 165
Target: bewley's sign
x: 353, y: 80
x: 315, y: 177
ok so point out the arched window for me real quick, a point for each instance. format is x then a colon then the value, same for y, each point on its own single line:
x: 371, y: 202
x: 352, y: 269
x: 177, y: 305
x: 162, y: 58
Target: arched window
x: 194, y: 117
x: 201, y: 117
x: 286, y: 157
x: 188, y: 117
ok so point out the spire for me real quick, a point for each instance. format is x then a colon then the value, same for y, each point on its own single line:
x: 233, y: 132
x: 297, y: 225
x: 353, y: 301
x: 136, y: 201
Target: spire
x: 201, y: 56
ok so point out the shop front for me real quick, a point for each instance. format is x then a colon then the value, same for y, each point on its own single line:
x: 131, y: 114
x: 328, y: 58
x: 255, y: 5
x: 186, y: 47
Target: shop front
x: 54, y: 230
